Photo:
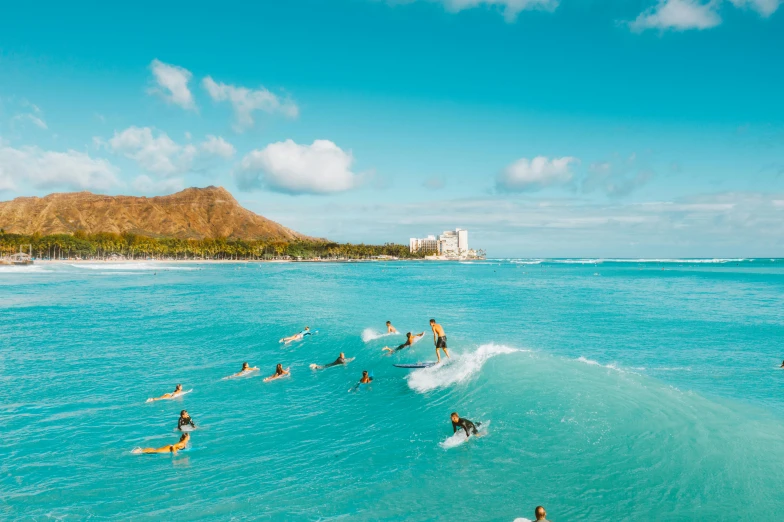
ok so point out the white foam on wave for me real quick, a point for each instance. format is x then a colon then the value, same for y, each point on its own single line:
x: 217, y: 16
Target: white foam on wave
x: 459, y: 368
x: 369, y: 334
x: 527, y: 261
x: 130, y: 266
x: 459, y: 438
x: 21, y: 269
x: 611, y: 366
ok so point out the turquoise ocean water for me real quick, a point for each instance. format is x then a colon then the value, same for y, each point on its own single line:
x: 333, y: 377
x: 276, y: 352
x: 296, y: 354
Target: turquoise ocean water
x: 610, y: 390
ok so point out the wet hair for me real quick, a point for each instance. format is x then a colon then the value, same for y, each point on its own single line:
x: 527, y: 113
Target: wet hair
x: 389, y: 322
x: 307, y: 328
x: 279, y: 367
x: 184, y: 436
x: 454, y: 414
x: 364, y: 372
x: 408, y: 334
x: 244, y: 364
x: 178, y: 386
x: 540, y: 512
x: 432, y: 321
x: 183, y: 412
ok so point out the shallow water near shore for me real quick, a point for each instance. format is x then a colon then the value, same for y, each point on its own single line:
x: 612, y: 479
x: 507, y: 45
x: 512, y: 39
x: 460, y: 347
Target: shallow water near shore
x: 608, y: 388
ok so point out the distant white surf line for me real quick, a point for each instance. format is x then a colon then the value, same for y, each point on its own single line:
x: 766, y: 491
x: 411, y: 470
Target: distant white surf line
x: 369, y: 334
x: 460, y: 368
x: 131, y: 266
x: 21, y: 269
x: 665, y: 260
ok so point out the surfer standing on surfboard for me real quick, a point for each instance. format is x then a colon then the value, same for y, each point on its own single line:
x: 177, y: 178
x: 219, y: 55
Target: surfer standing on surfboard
x: 439, y: 337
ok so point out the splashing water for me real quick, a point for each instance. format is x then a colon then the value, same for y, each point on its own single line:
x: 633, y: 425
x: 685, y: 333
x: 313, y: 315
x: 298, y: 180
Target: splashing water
x: 459, y: 369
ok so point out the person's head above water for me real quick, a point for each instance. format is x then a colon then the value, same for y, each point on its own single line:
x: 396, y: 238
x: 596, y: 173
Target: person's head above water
x: 432, y: 321
x: 185, y: 436
x: 279, y: 368
x: 408, y: 334
x: 307, y: 328
x: 455, y: 416
x: 364, y: 373
x: 388, y: 323
x: 342, y: 355
x: 178, y: 387
x: 244, y: 366
x: 184, y: 413
x: 540, y: 513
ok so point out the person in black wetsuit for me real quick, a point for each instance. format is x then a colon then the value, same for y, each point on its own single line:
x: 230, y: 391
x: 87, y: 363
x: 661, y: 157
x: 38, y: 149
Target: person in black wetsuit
x: 465, y: 424
x: 340, y: 360
x: 409, y: 341
x: 185, y: 420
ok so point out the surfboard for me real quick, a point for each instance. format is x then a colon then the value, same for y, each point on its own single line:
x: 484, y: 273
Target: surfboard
x: 276, y: 377
x: 169, y: 398
x: 187, y: 428
x: 416, y: 365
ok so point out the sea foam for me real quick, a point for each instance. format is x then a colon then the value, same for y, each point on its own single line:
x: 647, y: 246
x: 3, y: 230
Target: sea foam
x: 369, y: 334
x: 459, y: 368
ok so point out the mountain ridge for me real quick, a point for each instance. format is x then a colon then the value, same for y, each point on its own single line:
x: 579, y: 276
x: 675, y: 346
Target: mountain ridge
x: 192, y: 213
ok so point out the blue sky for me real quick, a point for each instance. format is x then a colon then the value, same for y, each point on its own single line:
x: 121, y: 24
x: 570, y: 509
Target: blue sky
x: 547, y: 128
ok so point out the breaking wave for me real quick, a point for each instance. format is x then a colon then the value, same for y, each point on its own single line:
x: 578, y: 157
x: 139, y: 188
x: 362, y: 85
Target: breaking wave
x: 456, y: 370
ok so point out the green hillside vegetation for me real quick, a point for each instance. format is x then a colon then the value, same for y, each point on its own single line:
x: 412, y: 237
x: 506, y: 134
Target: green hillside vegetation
x: 131, y: 246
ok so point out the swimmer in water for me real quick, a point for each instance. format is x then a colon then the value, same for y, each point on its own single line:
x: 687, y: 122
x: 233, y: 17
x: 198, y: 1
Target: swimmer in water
x: 540, y: 514
x: 279, y: 372
x: 365, y: 378
x: 170, y: 448
x: 390, y: 328
x: 176, y: 392
x: 296, y: 336
x: 439, y: 337
x: 465, y: 424
x: 185, y: 420
x: 245, y: 370
x: 340, y: 360
x: 410, y: 339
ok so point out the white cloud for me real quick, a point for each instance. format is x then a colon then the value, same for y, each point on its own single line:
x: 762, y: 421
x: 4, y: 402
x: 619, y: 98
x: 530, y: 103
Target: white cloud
x: 71, y: 170
x: 510, y: 8
x: 218, y: 147
x: 616, y: 178
x: 146, y: 185
x: 32, y: 118
x: 319, y: 168
x: 245, y: 101
x: 160, y: 155
x: 536, y: 174
x: 679, y: 15
x: 763, y: 7
x: 172, y: 84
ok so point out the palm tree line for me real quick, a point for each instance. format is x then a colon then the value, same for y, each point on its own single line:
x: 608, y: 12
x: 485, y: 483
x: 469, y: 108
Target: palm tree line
x: 103, y: 245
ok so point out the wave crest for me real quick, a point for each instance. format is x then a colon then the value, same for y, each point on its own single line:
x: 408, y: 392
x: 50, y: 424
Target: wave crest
x: 459, y: 369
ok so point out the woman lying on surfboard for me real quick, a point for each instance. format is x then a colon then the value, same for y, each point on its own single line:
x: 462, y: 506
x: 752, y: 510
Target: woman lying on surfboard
x: 170, y: 448
x: 279, y: 372
x: 245, y: 370
x: 296, y: 336
x: 410, y: 339
x: 177, y: 391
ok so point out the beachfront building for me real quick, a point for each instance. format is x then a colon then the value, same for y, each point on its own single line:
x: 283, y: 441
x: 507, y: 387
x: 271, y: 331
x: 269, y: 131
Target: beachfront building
x: 452, y: 243
x: 427, y: 244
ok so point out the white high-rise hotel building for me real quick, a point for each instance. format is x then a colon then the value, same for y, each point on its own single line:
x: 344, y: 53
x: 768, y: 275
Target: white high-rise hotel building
x: 454, y: 242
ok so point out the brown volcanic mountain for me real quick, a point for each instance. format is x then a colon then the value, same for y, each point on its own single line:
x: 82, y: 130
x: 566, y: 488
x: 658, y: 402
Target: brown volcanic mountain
x: 194, y: 213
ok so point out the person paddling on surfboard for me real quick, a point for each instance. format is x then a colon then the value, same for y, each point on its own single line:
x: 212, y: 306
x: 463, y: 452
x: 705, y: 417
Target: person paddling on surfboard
x: 410, y: 339
x: 366, y: 379
x: 169, y: 448
x: 390, y: 329
x: 246, y: 368
x: 176, y: 392
x: 279, y: 372
x: 465, y: 424
x: 439, y: 337
x: 340, y: 360
x: 185, y: 421
x: 296, y: 336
